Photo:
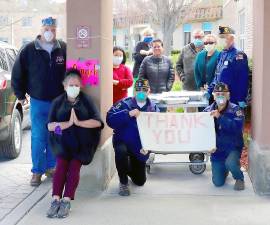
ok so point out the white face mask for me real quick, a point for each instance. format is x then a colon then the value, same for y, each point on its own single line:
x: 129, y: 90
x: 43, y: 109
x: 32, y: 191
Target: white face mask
x: 222, y: 42
x: 209, y: 48
x: 117, y: 60
x: 73, y: 91
x: 48, y: 35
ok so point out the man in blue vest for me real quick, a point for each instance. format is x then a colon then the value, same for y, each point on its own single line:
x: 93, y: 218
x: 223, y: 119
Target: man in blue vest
x: 232, y: 69
x: 229, y: 121
x: 130, y: 158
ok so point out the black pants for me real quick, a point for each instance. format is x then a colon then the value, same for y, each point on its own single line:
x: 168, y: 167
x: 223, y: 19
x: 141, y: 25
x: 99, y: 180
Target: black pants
x: 128, y: 165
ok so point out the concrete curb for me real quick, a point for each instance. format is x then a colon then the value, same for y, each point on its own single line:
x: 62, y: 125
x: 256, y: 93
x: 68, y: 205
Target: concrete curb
x: 24, y: 207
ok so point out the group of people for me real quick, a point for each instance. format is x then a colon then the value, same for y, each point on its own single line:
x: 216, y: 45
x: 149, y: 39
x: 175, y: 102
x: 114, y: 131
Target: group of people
x: 66, y: 124
x: 221, y: 75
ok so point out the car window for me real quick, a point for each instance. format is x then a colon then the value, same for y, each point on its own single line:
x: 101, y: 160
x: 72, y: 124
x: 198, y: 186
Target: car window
x: 11, y: 56
x: 3, y: 60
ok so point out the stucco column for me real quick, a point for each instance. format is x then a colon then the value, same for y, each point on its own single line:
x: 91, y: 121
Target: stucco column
x: 259, y: 154
x: 96, y: 17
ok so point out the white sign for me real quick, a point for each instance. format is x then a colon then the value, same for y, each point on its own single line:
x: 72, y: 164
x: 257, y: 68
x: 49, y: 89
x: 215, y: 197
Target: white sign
x: 83, y: 34
x: 177, y: 132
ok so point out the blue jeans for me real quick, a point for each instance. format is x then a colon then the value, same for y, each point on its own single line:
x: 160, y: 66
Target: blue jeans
x: 42, y: 157
x: 231, y: 164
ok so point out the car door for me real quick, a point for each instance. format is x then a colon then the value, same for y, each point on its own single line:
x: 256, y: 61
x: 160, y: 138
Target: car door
x: 11, y: 55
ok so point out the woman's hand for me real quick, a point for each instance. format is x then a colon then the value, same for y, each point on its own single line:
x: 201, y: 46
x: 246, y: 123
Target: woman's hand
x: 115, y: 82
x: 215, y: 114
x: 75, y: 118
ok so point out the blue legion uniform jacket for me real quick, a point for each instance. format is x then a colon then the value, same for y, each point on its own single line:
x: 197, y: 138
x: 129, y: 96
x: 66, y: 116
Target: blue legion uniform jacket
x: 229, y: 130
x: 125, y: 127
x: 232, y: 69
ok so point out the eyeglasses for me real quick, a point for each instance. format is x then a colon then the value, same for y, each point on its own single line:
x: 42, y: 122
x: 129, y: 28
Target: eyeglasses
x: 209, y: 43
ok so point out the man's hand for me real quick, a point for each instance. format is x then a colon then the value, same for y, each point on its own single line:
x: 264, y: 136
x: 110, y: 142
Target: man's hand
x: 215, y: 113
x: 134, y: 113
x: 143, y: 151
x: 23, y: 101
x: 115, y: 82
x: 212, y: 150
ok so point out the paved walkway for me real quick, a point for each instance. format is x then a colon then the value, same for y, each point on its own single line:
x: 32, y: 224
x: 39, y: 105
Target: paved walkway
x: 172, y: 195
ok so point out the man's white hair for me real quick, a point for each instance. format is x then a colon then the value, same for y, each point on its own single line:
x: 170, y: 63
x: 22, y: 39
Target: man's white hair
x: 198, y: 31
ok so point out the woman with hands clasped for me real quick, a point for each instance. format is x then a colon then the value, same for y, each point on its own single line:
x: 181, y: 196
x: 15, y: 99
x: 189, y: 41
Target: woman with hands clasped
x: 74, y: 132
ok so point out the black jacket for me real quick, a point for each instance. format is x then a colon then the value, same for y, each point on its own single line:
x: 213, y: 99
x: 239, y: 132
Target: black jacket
x: 75, y: 142
x: 159, y: 72
x: 138, y: 58
x: 38, y: 74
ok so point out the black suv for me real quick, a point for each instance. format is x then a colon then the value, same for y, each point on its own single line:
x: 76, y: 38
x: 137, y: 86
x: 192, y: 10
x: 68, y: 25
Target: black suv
x: 13, y: 116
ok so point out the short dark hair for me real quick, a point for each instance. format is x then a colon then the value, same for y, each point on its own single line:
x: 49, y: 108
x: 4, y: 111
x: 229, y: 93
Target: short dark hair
x: 118, y: 48
x: 158, y: 41
x: 72, y: 73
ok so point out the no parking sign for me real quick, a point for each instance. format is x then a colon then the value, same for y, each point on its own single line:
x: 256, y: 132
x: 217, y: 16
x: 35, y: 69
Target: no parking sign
x: 83, y: 34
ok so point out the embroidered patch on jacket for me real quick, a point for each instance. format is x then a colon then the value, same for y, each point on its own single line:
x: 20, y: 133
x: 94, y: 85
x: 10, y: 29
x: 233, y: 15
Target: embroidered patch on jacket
x: 240, y: 56
x: 118, y: 105
x: 239, y: 113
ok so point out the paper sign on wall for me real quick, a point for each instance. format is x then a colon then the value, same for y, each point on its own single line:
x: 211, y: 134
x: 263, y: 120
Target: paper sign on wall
x: 89, y: 70
x: 177, y: 132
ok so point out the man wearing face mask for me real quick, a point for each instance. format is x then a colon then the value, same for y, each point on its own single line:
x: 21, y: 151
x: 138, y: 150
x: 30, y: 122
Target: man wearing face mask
x: 142, y: 49
x: 129, y: 157
x: 232, y: 68
x: 185, y: 63
x: 229, y: 121
x: 39, y: 72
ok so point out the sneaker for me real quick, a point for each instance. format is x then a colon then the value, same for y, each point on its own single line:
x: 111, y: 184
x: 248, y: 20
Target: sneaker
x: 49, y: 173
x: 64, y: 209
x: 239, y: 185
x: 53, y: 210
x: 124, y: 190
x: 35, y: 180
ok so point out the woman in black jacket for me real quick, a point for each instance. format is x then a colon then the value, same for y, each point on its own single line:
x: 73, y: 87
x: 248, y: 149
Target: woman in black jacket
x: 74, y: 131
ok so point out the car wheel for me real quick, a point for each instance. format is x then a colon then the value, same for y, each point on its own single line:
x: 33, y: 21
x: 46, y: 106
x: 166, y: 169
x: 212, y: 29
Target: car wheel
x: 12, y: 147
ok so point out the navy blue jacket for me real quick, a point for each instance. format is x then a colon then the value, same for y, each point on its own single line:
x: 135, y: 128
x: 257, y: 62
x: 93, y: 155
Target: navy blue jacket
x: 229, y: 130
x: 232, y: 69
x: 39, y: 74
x: 125, y: 127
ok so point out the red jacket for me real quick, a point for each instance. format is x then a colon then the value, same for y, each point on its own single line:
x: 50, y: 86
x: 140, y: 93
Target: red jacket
x: 124, y: 76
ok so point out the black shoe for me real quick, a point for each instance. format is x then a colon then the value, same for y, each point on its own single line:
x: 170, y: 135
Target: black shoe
x: 239, y: 185
x: 124, y: 190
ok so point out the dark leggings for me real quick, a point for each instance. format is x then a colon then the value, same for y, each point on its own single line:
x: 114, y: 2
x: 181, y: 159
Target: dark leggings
x: 67, y: 175
x: 128, y: 165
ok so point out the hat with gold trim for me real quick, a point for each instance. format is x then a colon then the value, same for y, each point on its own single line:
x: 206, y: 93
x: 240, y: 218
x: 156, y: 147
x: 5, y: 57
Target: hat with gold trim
x: 225, y: 30
x: 221, y: 87
x: 142, y: 84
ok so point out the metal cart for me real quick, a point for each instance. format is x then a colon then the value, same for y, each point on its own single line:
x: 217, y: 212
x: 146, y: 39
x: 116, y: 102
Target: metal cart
x: 186, y: 100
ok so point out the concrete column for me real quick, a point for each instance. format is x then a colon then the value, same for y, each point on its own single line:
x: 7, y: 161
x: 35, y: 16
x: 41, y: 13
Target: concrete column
x: 259, y: 154
x: 97, y: 16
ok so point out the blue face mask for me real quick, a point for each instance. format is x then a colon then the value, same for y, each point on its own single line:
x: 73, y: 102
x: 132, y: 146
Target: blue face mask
x: 141, y: 96
x: 221, y: 100
x: 148, y: 39
x: 198, y: 43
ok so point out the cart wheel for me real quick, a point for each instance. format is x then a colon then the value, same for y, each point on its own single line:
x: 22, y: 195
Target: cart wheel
x: 197, y: 169
x: 148, y: 169
x: 196, y: 156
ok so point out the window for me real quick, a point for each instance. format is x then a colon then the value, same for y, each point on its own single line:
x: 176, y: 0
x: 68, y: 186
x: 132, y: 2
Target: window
x: 3, y: 21
x: 207, y: 28
x: 187, y: 33
x: 11, y: 56
x: 3, y: 60
x: 242, y: 30
x: 27, y: 21
x: 4, y: 39
x: 126, y: 41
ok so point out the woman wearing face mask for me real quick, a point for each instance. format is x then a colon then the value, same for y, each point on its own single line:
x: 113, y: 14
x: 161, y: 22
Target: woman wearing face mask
x: 206, y: 62
x: 74, y: 131
x: 122, y: 76
x: 142, y: 49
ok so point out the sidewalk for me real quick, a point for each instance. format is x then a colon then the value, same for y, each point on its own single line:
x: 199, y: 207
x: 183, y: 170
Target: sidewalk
x: 172, y: 195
